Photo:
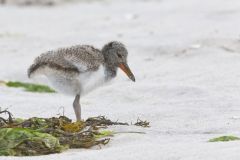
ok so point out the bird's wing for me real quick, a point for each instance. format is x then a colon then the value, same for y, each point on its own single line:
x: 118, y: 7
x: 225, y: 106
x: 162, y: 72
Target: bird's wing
x: 84, y: 57
x: 76, y: 59
x: 54, y: 61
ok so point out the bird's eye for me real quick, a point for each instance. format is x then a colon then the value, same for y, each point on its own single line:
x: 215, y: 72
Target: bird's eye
x: 119, y: 55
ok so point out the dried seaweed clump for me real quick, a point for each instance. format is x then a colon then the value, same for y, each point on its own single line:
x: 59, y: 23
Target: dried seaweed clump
x: 102, y: 121
x: 40, y: 136
x: 142, y: 123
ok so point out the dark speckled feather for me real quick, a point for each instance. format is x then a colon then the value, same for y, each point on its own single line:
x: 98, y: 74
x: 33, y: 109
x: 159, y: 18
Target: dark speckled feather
x: 72, y: 60
x: 79, y: 69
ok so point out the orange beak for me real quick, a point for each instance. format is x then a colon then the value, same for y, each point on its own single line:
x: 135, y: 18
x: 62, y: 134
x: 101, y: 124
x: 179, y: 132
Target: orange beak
x: 127, y: 70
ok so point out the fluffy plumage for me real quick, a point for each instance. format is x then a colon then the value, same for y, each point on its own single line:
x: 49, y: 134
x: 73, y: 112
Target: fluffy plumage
x: 81, y: 68
x: 73, y: 60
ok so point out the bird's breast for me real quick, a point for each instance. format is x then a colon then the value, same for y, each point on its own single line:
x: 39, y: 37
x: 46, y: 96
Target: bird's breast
x: 91, y: 80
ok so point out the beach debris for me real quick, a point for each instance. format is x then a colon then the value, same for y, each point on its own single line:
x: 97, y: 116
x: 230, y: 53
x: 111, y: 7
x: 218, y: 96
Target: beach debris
x: 27, y: 142
x: 30, y: 87
x: 3, y: 121
x: 142, y: 123
x: 40, y: 136
x: 102, y: 121
x: 224, y: 139
x: 104, y: 133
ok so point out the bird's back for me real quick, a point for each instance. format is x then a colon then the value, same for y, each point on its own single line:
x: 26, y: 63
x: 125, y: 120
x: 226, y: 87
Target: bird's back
x: 67, y: 61
x: 69, y: 70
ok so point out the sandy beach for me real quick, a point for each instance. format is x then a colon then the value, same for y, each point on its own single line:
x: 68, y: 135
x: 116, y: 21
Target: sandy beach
x: 185, y: 56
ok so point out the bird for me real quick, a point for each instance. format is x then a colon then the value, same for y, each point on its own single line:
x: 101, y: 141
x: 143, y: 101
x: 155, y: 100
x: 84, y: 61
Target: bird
x: 79, y: 69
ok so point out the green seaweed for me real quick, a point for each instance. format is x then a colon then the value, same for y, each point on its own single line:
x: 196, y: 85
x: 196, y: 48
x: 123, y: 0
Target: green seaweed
x: 30, y: 87
x: 22, y: 142
x: 69, y: 135
x: 41, y: 136
x: 104, y: 133
x: 224, y: 139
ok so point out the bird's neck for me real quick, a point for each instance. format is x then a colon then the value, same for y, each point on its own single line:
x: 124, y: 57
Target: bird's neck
x: 110, y: 71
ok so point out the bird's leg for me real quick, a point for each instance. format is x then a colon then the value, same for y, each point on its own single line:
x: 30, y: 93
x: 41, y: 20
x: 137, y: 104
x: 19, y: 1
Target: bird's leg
x: 77, y: 107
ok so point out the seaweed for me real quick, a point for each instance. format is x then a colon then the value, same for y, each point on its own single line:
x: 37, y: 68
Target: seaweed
x: 105, y: 133
x: 224, y: 139
x: 40, y: 136
x: 102, y: 121
x: 30, y: 87
x: 27, y: 142
x: 142, y: 123
x: 5, y: 121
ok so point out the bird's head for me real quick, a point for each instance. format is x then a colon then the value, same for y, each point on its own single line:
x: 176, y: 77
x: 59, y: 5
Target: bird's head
x: 115, y: 55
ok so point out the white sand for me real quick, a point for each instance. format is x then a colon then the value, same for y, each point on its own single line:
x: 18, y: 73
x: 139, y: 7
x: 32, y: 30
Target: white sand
x: 185, y: 56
